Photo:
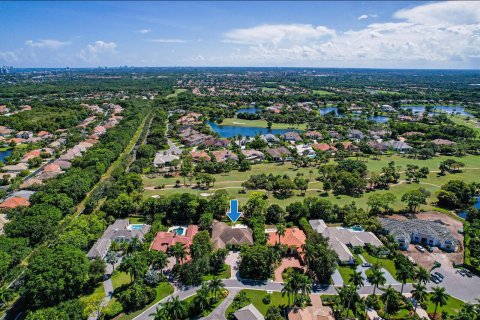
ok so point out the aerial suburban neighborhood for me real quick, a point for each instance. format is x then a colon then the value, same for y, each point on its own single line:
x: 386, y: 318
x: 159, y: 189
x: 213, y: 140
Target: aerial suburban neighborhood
x: 212, y: 162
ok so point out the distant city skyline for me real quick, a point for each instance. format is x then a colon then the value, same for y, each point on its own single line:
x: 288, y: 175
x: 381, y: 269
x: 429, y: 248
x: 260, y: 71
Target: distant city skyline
x: 366, y: 34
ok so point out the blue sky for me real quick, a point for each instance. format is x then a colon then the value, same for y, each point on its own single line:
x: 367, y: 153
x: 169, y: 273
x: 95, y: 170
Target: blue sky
x: 312, y: 34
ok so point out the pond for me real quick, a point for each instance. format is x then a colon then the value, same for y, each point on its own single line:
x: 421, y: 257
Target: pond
x: 379, y: 119
x: 234, y: 131
x: 463, y: 214
x: 324, y: 111
x: 249, y: 110
x: 4, y: 154
x: 445, y: 109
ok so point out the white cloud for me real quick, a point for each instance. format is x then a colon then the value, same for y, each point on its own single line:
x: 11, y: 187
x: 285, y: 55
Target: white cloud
x: 419, y: 37
x: 168, y: 40
x: 366, y: 16
x: 8, y: 57
x: 277, y: 34
x: 144, y: 31
x: 93, y: 52
x: 46, y: 44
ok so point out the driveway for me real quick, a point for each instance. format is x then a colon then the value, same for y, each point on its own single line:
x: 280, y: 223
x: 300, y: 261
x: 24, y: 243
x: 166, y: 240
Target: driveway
x: 173, y: 149
x: 290, y: 262
x: 232, y: 260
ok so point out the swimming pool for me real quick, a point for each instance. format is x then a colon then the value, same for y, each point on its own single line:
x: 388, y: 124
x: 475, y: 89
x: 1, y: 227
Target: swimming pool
x: 178, y: 229
x: 135, y: 226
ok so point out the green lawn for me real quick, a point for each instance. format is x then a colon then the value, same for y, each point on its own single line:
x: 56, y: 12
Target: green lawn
x: 225, y: 274
x: 232, y: 182
x: 136, y: 219
x: 269, y: 90
x: 471, y: 123
x: 177, y: 91
x: 345, y: 272
x: 119, y: 279
x: 256, y: 297
x: 260, y: 124
x: 164, y: 289
x: 452, y: 307
x: 322, y: 92
x: 388, y: 264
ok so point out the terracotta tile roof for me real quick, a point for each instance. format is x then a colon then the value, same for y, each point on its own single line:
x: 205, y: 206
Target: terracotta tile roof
x: 323, y: 147
x: 294, y: 237
x: 163, y: 240
x: 14, y: 202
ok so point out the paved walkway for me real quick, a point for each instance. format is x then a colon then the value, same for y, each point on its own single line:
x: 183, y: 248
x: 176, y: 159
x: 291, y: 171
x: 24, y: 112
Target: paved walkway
x: 422, y: 313
x: 290, y: 262
x: 219, y: 312
x: 232, y: 260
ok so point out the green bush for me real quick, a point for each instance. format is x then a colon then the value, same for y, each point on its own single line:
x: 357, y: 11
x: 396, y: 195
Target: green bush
x: 113, y: 309
x: 267, y: 299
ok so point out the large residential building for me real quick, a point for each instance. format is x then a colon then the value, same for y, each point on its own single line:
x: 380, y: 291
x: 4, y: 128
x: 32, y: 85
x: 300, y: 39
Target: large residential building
x: 164, y: 240
x: 223, y: 234
x: 120, y: 231
x: 431, y: 233
x: 342, y: 239
x: 294, y: 238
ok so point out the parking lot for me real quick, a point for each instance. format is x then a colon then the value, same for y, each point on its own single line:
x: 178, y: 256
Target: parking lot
x: 461, y: 287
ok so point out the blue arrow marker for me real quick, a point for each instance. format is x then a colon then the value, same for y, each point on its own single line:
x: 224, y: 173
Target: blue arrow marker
x: 233, y: 214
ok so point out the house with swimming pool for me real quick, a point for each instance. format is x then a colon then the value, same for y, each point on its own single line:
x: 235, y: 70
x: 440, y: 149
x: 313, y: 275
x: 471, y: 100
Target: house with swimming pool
x: 343, y: 239
x: 165, y: 239
x: 120, y: 231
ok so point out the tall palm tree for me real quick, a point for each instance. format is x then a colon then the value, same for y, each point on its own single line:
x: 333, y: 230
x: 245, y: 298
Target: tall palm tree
x: 159, y: 260
x: 111, y: 258
x: 376, y: 277
x: 439, y: 298
x: 422, y: 275
x: 289, y: 291
x: 176, y: 309
x: 357, y: 279
x: 347, y: 294
x: 216, y: 285
x: 390, y: 299
x: 179, y: 251
x: 202, y: 299
x: 405, y: 272
x: 280, y: 231
x: 419, y: 293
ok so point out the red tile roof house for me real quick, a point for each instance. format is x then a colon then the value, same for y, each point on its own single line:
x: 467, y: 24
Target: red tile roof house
x: 16, y: 140
x: 14, y: 202
x: 164, y: 240
x: 294, y: 238
x: 197, y: 156
x: 44, y: 134
x: 324, y: 147
x: 52, y: 168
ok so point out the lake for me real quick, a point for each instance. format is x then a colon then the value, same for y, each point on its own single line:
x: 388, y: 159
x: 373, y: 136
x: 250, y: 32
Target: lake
x: 463, y: 214
x: 4, y: 154
x: 324, y: 111
x: 445, y: 109
x: 233, y: 131
x: 249, y: 110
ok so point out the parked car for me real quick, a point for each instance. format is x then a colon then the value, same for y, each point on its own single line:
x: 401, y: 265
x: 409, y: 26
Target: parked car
x: 434, y: 279
x: 468, y: 273
x: 366, y: 265
x: 438, y: 274
x: 462, y: 272
x: 420, y: 248
x: 429, y: 249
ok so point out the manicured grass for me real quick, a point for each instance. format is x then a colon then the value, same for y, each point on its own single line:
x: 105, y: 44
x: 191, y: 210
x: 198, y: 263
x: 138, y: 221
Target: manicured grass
x: 177, y: 91
x: 346, y: 272
x: 322, y: 92
x: 471, y: 123
x: 99, y: 291
x: 163, y: 290
x: 232, y: 182
x: 452, y: 307
x: 260, y: 124
x: 256, y: 297
x: 387, y: 264
x: 225, y: 274
x: 136, y: 219
x: 269, y: 90
x: 119, y: 279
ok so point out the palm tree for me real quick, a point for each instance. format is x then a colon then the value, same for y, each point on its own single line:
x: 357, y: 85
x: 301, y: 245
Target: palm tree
x: 346, y: 294
x: 111, y: 258
x: 202, y: 299
x: 288, y: 290
x: 419, y: 293
x: 390, y: 299
x: 376, y: 277
x: 422, y: 275
x: 357, y: 279
x: 159, y: 260
x: 439, y: 298
x: 179, y: 251
x: 405, y: 272
x: 280, y: 231
x: 175, y: 309
x: 216, y: 285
